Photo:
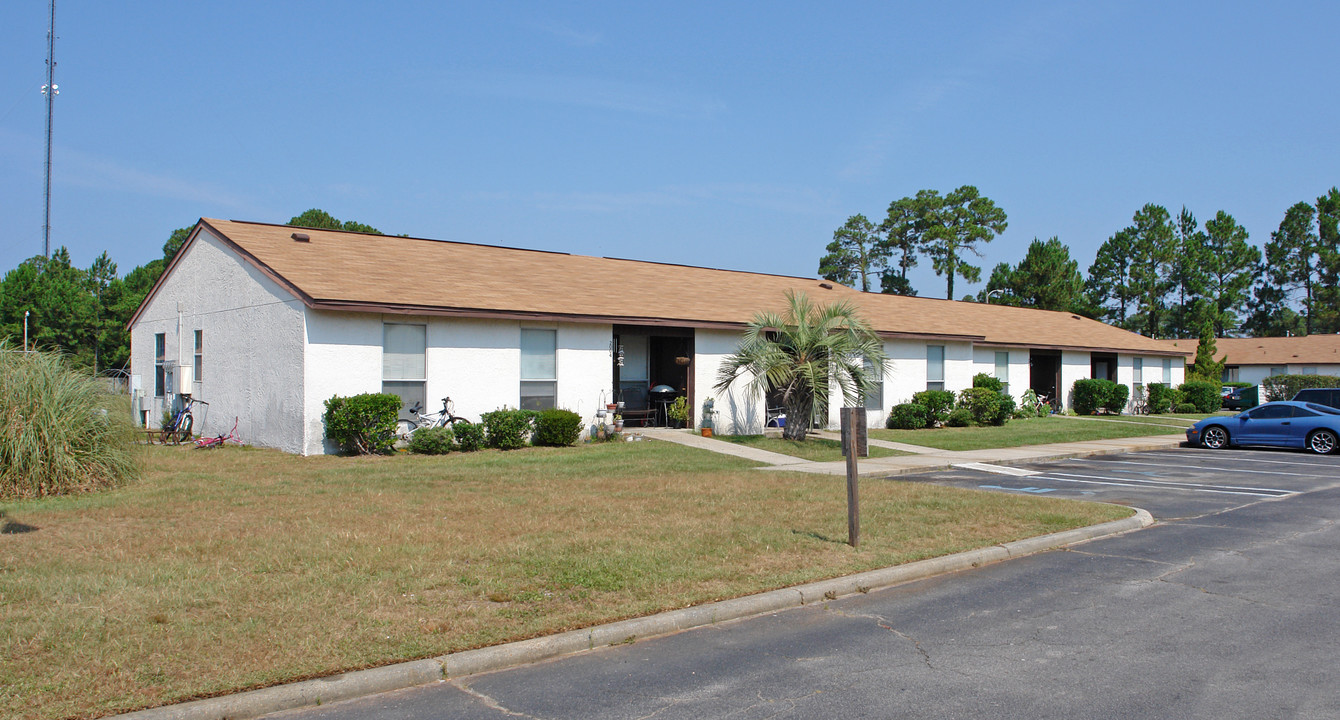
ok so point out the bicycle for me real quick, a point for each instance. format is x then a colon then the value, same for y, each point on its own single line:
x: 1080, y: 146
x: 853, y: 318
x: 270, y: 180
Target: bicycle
x: 219, y: 440
x: 179, y: 430
x: 405, y: 428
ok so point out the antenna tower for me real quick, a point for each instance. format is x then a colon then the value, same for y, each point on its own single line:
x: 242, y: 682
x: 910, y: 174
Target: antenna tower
x: 51, y: 90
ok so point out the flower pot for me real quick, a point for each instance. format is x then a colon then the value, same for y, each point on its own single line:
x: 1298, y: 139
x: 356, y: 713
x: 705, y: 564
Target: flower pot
x: 707, y: 432
x: 612, y: 407
x: 618, y: 426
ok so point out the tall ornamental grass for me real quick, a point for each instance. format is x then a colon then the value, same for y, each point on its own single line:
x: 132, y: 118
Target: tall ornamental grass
x: 59, y: 433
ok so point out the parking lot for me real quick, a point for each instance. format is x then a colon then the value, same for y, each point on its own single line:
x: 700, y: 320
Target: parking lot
x: 1170, y: 484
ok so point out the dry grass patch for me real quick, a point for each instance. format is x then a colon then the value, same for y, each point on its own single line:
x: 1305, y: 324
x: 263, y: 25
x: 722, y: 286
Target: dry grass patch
x: 237, y: 568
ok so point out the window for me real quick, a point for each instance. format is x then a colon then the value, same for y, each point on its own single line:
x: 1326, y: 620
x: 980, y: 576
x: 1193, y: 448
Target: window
x: 1138, y: 370
x: 1275, y: 370
x: 935, y: 367
x: 199, y: 355
x: 1003, y: 370
x: 160, y: 351
x: 403, y: 366
x: 539, y: 369
x: 1309, y: 370
x: 1230, y: 374
x: 1167, y: 371
x: 874, y: 399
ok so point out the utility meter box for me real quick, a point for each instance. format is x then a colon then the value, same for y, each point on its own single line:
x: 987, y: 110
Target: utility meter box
x: 182, y: 380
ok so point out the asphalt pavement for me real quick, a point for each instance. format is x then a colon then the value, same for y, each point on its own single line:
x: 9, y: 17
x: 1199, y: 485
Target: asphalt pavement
x: 1225, y: 609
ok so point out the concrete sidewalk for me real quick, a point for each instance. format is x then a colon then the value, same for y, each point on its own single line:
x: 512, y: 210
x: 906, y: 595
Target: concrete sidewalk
x: 925, y: 459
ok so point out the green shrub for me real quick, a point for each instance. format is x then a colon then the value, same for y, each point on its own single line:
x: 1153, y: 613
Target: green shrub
x: 1185, y: 408
x: 1240, y: 384
x: 1284, y: 387
x: 60, y: 432
x: 907, y: 416
x: 959, y: 417
x: 1031, y: 405
x: 469, y: 436
x: 987, y: 381
x: 1117, y: 395
x: 557, y: 427
x: 508, y: 428
x: 987, y: 406
x: 1204, y: 395
x: 432, y: 440
x: 938, y: 403
x: 1161, y: 397
x: 363, y: 424
x: 1090, y: 395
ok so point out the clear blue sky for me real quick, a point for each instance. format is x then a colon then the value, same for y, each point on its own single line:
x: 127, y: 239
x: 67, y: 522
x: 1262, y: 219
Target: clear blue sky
x: 737, y: 136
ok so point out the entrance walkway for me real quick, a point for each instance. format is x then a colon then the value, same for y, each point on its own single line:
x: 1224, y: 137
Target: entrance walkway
x: 925, y: 459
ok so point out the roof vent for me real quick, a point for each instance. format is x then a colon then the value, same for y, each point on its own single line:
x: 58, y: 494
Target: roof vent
x: 302, y: 237
x: 1075, y: 317
x: 826, y: 286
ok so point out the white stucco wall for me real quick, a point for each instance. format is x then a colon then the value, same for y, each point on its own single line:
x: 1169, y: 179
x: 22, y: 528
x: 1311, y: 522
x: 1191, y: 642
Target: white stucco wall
x: 477, y: 363
x: 1017, y: 369
x: 1075, y: 365
x: 253, y: 345
x: 1254, y: 374
x: 740, y: 409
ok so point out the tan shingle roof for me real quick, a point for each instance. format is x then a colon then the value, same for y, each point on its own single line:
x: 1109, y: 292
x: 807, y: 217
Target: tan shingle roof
x: 353, y: 271
x: 1311, y: 350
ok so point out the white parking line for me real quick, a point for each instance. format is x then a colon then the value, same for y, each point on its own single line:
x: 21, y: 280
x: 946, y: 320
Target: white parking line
x: 1166, y: 485
x: 1236, y: 456
x: 998, y: 469
x: 1202, y: 467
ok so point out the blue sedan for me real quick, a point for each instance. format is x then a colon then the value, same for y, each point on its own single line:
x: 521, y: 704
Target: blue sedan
x: 1283, y: 424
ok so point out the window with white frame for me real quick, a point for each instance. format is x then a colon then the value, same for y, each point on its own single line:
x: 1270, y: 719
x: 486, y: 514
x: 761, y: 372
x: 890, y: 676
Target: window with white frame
x: 199, y: 355
x: 1230, y: 374
x: 935, y: 367
x: 1167, y: 371
x: 539, y: 369
x: 1276, y: 370
x: 404, y: 347
x: 1003, y: 370
x: 1309, y: 370
x: 874, y: 398
x: 1138, y: 378
x: 160, y: 354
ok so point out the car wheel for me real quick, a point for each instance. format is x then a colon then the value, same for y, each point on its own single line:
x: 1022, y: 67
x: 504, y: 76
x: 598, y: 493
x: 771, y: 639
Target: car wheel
x: 1214, y: 437
x: 1322, y: 442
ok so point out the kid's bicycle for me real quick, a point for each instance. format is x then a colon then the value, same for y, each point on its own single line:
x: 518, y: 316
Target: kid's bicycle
x: 218, y: 440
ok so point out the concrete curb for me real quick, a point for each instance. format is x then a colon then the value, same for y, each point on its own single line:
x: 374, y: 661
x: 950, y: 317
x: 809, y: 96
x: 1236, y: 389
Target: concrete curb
x: 361, y: 683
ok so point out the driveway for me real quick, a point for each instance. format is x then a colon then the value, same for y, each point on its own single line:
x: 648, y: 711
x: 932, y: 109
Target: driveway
x: 1227, y: 609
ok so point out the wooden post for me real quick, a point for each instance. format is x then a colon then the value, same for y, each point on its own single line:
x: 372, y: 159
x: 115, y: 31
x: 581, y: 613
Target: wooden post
x: 853, y: 426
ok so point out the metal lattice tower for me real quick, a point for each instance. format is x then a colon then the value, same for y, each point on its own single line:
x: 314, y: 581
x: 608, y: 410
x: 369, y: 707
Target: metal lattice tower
x: 51, y: 90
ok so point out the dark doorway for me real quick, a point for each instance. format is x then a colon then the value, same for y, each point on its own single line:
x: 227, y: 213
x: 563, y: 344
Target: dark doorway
x: 1044, y: 375
x: 657, y: 368
x: 1103, y: 366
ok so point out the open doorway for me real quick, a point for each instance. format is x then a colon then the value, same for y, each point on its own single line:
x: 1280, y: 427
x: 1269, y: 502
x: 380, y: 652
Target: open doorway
x: 1044, y: 375
x: 1103, y: 366
x: 657, y: 368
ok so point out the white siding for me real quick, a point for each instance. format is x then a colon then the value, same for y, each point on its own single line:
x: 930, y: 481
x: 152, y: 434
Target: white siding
x: 740, y: 409
x: 253, y: 345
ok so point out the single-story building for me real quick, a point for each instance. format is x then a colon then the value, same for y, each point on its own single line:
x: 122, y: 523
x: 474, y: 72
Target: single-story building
x: 1252, y: 360
x: 266, y: 322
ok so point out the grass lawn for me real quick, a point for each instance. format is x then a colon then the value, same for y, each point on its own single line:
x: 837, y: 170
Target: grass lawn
x: 237, y: 568
x: 1032, y: 431
x: 815, y: 449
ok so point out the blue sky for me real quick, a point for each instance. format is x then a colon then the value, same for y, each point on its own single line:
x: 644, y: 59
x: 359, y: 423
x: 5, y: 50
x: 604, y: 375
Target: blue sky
x: 723, y: 134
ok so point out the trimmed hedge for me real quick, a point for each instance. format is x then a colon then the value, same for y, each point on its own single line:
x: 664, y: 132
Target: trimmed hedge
x: 1284, y: 387
x: 907, y: 416
x: 987, y: 406
x: 987, y: 381
x: 1161, y: 397
x: 1090, y: 395
x: 1185, y: 408
x: 938, y: 403
x: 508, y: 428
x: 959, y: 417
x: 557, y: 427
x: 1204, y: 395
x: 1117, y: 395
x: 469, y: 436
x: 431, y: 440
x: 363, y: 424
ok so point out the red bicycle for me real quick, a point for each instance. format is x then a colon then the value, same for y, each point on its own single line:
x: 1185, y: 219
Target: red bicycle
x: 218, y: 440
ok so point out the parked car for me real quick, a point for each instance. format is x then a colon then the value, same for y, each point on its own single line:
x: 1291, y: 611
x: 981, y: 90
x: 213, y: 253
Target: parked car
x: 1283, y: 424
x: 1321, y: 396
x: 1232, y: 398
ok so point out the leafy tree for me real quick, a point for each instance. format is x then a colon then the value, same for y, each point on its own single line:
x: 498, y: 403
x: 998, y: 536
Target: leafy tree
x: 803, y: 352
x: 174, y: 243
x: 1205, y: 367
x: 1187, y: 276
x: 1002, y: 280
x: 1231, y: 266
x: 1328, y: 262
x: 855, y: 253
x: 1047, y: 278
x: 1152, y: 250
x: 904, y: 231
x: 1291, y: 258
x: 321, y: 220
x: 1109, y: 285
x: 956, y: 225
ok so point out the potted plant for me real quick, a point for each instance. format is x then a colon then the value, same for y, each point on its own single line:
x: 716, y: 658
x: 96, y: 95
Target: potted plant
x: 709, y: 410
x: 679, y: 411
x: 618, y: 423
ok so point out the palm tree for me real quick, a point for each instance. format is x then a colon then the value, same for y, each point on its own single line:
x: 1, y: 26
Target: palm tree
x: 802, y: 353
